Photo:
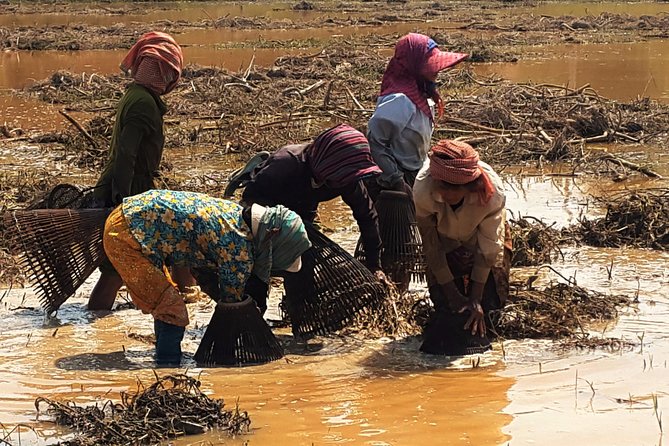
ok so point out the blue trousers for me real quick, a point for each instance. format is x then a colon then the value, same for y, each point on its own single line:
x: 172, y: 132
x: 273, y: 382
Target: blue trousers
x: 168, y: 342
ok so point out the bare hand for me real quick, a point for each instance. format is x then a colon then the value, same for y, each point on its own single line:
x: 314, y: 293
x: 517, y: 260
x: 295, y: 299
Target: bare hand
x: 382, y: 278
x: 476, y: 321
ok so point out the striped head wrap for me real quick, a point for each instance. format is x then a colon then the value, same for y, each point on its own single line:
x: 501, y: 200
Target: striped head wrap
x: 280, y: 239
x: 155, y: 61
x: 340, y: 156
x: 456, y: 162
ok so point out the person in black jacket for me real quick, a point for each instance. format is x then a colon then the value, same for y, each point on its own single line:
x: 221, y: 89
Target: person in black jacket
x: 301, y: 176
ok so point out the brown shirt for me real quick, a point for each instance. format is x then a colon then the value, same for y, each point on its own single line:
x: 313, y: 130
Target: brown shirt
x: 472, y: 225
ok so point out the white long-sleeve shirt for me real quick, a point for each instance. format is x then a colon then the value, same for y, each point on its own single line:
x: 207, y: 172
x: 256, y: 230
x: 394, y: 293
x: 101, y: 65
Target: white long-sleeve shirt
x: 399, y: 137
x: 472, y: 225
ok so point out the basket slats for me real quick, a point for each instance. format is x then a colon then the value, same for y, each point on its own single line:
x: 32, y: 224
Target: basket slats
x: 401, y: 252
x: 59, y: 248
x: 339, y: 290
x: 238, y: 335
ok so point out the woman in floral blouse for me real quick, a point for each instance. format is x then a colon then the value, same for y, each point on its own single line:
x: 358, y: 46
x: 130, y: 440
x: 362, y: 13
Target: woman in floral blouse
x: 161, y: 228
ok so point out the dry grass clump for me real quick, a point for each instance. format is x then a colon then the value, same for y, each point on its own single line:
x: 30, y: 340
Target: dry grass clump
x: 534, y: 242
x: 300, y: 95
x: 638, y: 219
x: 171, y: 407
x: 514, y: 123
x: 398, y: 315
x: 558, y: 311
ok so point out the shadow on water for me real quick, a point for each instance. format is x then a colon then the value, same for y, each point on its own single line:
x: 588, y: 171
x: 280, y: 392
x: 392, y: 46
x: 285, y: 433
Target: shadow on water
x: 402, y: 356
x: 97, y: 362
x: 321, y: 346
x: 295, y: 347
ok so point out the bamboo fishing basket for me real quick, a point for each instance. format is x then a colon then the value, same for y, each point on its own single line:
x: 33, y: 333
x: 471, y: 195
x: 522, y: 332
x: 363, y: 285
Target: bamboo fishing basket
x: 59, y: 248
x: 402, y: 256
x: 237, y: 335
x: 331, y: 289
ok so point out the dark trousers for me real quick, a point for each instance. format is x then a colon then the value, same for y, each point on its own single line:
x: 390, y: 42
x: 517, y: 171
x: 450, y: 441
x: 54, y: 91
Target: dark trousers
x: 168, y: 342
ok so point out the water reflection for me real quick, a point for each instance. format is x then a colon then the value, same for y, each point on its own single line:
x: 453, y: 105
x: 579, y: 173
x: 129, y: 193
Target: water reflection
x: 195, y: 11
x: 29, y: 114
x: 578, y: 9
x: 373, y: 392
x: 616, y: 71
x: 331, y: 394
x: 380, y: 392
x: 596, y: 397
x: 536, y: 196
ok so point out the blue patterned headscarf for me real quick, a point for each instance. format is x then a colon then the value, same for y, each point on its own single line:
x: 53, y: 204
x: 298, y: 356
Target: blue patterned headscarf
x: 280, y: 241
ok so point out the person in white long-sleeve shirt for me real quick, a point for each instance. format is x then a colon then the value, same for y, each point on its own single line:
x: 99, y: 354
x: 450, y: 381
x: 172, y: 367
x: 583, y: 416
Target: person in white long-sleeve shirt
x: 461, y: 216
x: 400, y: 130
x: 399, y: 134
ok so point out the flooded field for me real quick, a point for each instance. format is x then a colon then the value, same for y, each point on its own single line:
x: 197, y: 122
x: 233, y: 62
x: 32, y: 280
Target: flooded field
x: 619, y: 71
x: 378, y: 392
x: 126, y: 13
x: 351, y: 389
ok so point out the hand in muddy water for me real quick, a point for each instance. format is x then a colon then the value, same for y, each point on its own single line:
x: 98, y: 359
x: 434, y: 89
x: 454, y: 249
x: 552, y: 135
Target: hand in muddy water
x: 382, y: 278
x: 194, y: 294
x: 475, y: 322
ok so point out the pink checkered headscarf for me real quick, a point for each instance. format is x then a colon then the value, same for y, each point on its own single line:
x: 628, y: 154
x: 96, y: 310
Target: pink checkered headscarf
x: 155, y: 61
x: 416, y: 58
x: 456, y: 162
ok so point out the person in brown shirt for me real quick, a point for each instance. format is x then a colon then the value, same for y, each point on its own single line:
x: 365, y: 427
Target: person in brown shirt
x: 461, y: 215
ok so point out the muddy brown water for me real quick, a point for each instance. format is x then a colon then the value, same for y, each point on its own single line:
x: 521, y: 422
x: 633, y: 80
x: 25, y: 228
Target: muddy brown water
x: 381, y: 392
x: 618, y: 71
x: 578, y: 9
x: 126, y: 13
x: 375, y: 392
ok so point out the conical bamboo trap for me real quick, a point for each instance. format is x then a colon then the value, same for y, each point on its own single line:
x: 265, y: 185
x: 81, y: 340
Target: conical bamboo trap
x: 332, y: 289
x: 59, y: 248
x: 238, y: 335
x: 402, y: 256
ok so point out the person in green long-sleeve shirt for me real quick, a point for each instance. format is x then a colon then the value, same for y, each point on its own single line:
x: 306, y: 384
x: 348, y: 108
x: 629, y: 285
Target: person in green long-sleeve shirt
x: 136, y: 146
x: 155, y: 64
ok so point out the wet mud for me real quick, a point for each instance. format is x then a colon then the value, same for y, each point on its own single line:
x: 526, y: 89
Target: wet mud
x: 582, y: 153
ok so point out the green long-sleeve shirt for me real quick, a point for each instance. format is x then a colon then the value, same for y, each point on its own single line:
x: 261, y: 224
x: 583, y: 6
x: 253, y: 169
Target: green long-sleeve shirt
x: 136, y: 146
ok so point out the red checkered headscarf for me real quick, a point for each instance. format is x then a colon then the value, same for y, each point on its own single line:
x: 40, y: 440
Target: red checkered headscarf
x: 416, y: 58
x: 155, y: 61
x: 340, y: 156
x: 456, y: 162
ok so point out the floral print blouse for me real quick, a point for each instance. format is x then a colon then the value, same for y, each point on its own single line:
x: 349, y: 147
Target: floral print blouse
x: 196, y: 230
